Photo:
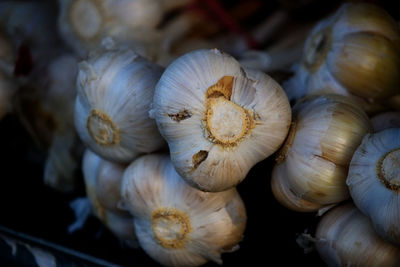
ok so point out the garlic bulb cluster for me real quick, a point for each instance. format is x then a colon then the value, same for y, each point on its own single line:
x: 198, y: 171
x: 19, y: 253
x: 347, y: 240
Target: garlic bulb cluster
x: 115, y: 89
x: 176, y: 224
x: 313, y: 163
x: 102, y: 183
x: 385, y: 120
x: 355, y: 53
x: 345, y: 237
x: 218, y: 119
x: 374, y: 181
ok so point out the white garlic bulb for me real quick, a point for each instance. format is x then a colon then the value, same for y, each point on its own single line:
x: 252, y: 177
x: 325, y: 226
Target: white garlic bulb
x: 218, y: 119
x: 345, y: 237
x: 313, y: 163
x: 84, y: 23
x: 355, y: 52
x: 176, y: 224
x: 102, y: 183
x: 385, y: 120
x: 115, y: 90
x: 374, y: 181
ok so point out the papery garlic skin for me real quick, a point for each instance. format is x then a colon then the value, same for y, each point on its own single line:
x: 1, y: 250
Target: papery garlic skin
x: 374, y: 181
x: 115, y: 90
x: 314, y: 160
x: 354, y: 53
x: 345, y: 237
x: 218, y: 119
x: 285, y: 195
x: 176, y: 224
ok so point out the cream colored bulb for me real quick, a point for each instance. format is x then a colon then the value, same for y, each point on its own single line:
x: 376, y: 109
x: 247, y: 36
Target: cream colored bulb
x: 345, y: 237
x: 115, y: 90
x: 176, y: 224
x: 218, y: 119
x: 355, y: 52
x: 325, y: 132
x: 374, y: 181
x: 102, y: 183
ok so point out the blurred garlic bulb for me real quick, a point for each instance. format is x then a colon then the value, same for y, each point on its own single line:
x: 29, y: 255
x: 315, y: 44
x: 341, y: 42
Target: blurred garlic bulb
x: 355, y: 52
x: 345, y: 237
x: 385, y: 120
x: 84, y: 23
x: 103, y: 182
x: 218, y: 119
x: 313, y: 163
x: 176, y: 224
x: 115, y: 90
x: 7, y: 84
x: 374, y: 181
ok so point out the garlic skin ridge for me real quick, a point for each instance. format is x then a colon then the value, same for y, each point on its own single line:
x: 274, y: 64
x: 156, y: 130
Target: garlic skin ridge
x: 314, y: 160
x: 115, y: 90
x: 176, y: 224
x: 345, y: 237
x: 218, y: 119
x: 374, y: 181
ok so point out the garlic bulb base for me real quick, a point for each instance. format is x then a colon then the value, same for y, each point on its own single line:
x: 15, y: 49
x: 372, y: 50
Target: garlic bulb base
x: 102, y: 129
x: 388, y: 170
x: 170, y: 227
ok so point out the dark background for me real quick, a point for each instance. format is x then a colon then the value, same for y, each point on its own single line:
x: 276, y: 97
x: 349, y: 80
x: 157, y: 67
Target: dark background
x: 27, y: 206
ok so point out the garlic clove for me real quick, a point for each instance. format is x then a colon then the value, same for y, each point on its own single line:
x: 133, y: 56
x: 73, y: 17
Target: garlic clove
x: 385, y: 120
x: 374, y: 181
x: 224, y: 121
x: 345, y: 237
x: 286, y: 196
x: 176, y: 224
x: 115, y: 90
x: 325, y: 132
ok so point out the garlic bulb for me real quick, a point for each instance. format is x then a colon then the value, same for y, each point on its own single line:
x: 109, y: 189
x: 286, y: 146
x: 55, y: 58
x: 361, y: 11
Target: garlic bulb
x: 313, y: 162
x: 102, y: 183
x: 345, y: 237
x: 176, y: 224
x: 355, y: 52
x: 84, y: 23
x: 115, y: 90
x: 374, y: 181
x: 218, y: 119
x: 385, y: 120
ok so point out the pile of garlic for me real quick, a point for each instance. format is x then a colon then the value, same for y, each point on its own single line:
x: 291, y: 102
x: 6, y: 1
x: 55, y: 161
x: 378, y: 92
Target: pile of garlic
x: 343, y: 146
x: 163, y: 126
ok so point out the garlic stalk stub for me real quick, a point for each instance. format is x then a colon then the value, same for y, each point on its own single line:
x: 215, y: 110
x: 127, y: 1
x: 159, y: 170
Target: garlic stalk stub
x: 313, y: 163
x: 218, y: 119
x: 355, y: 52
x: 345, y: 237
x: 176, y: 224
x: 115, y: 90
x: 374, y: 181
